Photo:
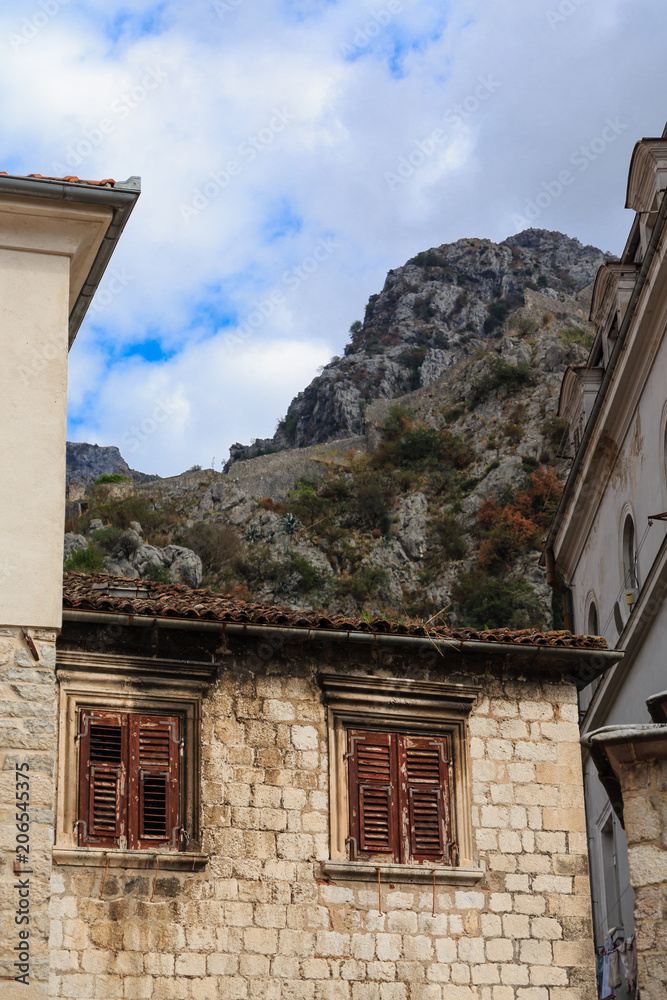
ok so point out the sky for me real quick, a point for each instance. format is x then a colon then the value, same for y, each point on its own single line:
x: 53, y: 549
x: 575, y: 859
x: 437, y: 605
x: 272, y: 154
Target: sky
x: 291, y: 152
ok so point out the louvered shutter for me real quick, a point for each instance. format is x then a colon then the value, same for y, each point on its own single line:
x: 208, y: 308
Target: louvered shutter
x: 373, y: 795
x: 424, y: 767
x: 103, y: 754
x: 153, y: 782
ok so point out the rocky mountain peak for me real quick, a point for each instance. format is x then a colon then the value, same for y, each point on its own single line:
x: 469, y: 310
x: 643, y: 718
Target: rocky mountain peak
x: 438, y: 307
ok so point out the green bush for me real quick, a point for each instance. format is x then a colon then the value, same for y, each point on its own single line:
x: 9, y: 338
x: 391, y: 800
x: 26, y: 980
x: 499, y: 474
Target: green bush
x: 577, y: 335
x: 217, y: 545
x: 398, y: 420
x: 427, y: 258
x: 306, y: 502
x: 497, y: 315
x: 111, y: 477
x: 366, y: 582
x: 483, y: 601
x: 156, y: 573
x: 500, y: 374
x: 309, y: 577
x: 90, y: 560
x: 449, y: 536
x: 555, y: 431
x: 288, y: 426
x: 116, y: 542
x: 153, y: 515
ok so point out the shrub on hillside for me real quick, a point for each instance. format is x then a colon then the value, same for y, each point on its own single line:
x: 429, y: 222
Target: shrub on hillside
x: 116, y: 542
x: 217, y: 545
x: 90, y: 560
x: 366, y: 582
x: 499, y: 375
x: 111, y: 477
x: 156, y: 573
x: 483, y: 601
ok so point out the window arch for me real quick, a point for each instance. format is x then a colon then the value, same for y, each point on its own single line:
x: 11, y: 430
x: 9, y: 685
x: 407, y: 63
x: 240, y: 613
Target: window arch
x: 630, y: 578
x: 592, y: 620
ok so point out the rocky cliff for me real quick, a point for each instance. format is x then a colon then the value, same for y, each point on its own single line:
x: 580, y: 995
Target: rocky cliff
x: 417, y: 475
x: 432, y: 312
x: 86, y: 462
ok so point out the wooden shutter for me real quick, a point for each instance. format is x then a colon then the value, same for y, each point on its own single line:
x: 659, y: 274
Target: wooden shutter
x: 373, y: 795
x: 424, y: 767
x: 153, y: 783
x: 102, y: 778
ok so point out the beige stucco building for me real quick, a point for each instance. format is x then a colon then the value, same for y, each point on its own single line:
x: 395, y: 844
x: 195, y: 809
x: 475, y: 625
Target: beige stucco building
x: 56, y: 238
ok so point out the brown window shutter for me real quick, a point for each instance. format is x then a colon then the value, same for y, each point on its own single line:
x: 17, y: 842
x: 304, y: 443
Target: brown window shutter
x: 153, y: 782
x: 103, y: 755
x: 373, y: 793
x: 424, y: 768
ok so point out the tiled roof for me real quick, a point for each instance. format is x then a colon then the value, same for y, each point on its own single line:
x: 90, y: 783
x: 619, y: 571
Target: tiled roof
x: 159, y: 600
x: 108, y: 182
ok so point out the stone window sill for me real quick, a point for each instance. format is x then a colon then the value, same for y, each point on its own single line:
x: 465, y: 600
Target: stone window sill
x: 360, y: 871
x: 93, y: 858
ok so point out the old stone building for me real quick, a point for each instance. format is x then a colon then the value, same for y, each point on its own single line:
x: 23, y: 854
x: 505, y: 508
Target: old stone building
x: 254, y: 803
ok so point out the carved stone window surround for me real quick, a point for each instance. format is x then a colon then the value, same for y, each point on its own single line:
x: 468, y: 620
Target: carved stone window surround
x: 408, y: 706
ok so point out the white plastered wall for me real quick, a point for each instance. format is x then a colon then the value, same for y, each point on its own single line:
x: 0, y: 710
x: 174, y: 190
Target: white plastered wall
x: 46, y: 251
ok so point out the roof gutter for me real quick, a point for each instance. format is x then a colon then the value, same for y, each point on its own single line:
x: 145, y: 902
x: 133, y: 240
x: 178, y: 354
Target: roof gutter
x: 548, y: 553
x: 121, y: 199
x: 589, y: 662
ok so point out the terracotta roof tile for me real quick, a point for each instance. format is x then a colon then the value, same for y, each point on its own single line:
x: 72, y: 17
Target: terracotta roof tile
x: 161, y: 600
x: 108, y: 182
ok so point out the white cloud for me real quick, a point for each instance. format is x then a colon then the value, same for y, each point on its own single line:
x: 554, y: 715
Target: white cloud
x: 220, y: 80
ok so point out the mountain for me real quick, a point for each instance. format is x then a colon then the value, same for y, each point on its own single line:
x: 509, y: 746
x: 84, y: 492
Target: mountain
x: 431, y: 312
x: 86, y: 462
x: 416, y: 476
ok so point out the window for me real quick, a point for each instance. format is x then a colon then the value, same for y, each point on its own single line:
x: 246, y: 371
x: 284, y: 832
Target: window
x: 399, y: 778
x: 630, y: 581
x: 129, y: 780
x: 129, y: 760
x: 399, y: 788
x: 593, y: 626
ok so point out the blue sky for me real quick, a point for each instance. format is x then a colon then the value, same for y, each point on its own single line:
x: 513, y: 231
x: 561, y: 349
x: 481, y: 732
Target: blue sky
x: 265, y: 131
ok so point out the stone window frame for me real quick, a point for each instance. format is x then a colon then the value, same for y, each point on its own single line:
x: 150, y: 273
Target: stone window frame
x: 398, y: 705
x: 133, y: 684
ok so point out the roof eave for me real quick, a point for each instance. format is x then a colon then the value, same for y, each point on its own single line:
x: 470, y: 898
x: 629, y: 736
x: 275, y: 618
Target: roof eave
x: 580, y: 665
x: 121, y: 198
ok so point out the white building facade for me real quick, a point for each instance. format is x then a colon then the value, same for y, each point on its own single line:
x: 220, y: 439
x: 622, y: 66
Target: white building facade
x: 607, y: 549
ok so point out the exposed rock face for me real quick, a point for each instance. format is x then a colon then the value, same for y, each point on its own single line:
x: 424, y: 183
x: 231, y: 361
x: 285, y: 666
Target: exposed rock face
x: 183, y: 565
x: 73, y: 543
x: 86, y: 462
x: 472, y: 340
x: 424, y: 320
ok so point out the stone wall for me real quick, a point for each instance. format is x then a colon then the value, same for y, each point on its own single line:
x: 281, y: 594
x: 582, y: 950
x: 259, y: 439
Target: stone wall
x: 644, y: 786
x: 27, y: 743
x: 262, y: 922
